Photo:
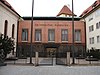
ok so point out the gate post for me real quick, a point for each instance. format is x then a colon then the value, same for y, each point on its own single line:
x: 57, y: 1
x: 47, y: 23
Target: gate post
x: 68, y: 58
x: 36, y: 58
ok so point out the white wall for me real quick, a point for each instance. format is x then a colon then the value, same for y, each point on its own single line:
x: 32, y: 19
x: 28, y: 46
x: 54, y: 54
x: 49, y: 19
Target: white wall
x: 11, y: 17
x: 94, y: 33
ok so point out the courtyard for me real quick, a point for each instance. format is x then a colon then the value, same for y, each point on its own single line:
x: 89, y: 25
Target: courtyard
x: 49, y: 70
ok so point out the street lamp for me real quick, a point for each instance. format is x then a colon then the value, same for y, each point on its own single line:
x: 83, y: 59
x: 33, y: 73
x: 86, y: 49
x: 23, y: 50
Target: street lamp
x: 31, y: 32
x: 73, y: 60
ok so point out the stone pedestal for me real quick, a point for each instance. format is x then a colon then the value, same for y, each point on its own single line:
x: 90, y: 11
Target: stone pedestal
x: 68, y: 58
x: 36, y: 58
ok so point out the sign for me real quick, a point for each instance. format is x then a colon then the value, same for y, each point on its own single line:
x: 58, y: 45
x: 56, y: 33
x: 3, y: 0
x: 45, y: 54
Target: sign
x: 51, y: 24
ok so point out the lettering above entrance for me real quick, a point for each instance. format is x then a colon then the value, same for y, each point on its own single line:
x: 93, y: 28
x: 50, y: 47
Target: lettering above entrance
x: 51, y: 25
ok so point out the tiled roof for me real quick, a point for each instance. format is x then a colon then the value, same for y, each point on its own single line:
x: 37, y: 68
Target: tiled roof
x: 9, y: 6
x: 91, y: 8
x: 65, y: 10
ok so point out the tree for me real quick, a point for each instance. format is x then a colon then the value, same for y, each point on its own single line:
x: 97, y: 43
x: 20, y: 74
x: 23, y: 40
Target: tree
x: 6, y: 45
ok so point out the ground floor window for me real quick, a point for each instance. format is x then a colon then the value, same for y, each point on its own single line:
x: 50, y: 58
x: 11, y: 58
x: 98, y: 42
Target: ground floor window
x: 64, y: 35
x: 38, y: 36
x: 77, y: 35
x: 24, y: 34
x: 51, y: 35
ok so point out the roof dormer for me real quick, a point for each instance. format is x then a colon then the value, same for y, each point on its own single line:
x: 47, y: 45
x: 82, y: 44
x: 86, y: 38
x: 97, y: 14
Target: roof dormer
x: 65, y: 12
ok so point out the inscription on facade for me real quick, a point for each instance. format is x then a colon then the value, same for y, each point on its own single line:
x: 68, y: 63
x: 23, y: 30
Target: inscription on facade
x: 51, y: 25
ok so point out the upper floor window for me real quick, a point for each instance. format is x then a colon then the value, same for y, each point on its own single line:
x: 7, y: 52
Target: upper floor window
x: 98, y: 25
x: 13, y: 30
x: 64, y: 35
x: 91, y: 28
x: 24, y: 34
x: 77, y: 35
x: 51, y: 35
x: 38, y: 36
x: 90, y: 18
x: 5, y: 27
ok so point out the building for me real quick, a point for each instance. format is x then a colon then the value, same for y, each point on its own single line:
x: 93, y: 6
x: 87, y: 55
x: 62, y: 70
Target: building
x: 51, y: 34
x: 8, y: 20
x: 92, y: 18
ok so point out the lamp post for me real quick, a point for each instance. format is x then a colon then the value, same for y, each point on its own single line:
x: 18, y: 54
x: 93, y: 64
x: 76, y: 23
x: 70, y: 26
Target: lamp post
x: 73, y: 60
x: 31, y: 32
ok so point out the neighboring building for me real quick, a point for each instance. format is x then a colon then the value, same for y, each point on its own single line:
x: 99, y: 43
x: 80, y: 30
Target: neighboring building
x: 51, y: 34
x: 92, y: 18
x: 8, y: 20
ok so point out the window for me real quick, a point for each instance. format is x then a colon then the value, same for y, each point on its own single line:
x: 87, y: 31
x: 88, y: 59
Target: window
x: 24, y: 34
x: 91, y: 28
x: 64, y: 35
x: 5, y: 27
x: 98, y: 25
x: 91, y: 40
x: 78, y: 35
x: 90, y: 18
x: 38, y: 35
x: 13, y: 30
x: 98, y: 39
x: 51, y: 35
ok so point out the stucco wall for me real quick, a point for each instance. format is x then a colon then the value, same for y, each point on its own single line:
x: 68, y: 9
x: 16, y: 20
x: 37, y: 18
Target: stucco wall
x: 94, y: 33
x: 11, y: 17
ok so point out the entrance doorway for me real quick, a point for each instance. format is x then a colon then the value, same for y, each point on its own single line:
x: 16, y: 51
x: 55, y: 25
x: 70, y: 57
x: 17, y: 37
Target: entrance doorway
x: 51, y: 52
x: 47, y: 56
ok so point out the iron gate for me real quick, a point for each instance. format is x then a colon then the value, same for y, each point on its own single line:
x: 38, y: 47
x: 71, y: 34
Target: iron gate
x: 61, y: 58
x: 52, y: 58
x: 45, y: 58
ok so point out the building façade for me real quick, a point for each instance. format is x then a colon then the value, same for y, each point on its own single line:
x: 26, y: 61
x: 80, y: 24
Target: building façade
x: 51, y: 34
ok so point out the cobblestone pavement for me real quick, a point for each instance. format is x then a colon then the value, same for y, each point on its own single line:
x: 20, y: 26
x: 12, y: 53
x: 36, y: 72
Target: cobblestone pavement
x: 49, y: 70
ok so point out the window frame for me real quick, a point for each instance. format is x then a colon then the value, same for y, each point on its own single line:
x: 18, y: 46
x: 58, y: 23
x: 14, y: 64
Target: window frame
x: 40, y: 35
x: 54, y: 35
x: 5, y: 27
x: 77, y: 41
x: 91, y: 28
x: 64, y: 35
x: 98, y: 39
x: 13, y: 30
x: 25, y: 35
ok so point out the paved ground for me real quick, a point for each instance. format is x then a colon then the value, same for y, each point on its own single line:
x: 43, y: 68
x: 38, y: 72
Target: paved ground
x: 49, y: 70
x: 49, y: 61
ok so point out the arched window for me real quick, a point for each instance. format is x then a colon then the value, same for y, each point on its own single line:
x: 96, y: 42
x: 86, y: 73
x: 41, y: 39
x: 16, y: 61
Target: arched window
x: 5, y: 27
x: 13, y: 30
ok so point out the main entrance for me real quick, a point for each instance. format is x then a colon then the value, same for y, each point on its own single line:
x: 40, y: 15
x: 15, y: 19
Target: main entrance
x: 47, y: 57
x: 51, y: 56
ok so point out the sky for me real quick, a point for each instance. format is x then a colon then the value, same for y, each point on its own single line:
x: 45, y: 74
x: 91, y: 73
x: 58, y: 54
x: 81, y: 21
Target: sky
x: 48, y: 7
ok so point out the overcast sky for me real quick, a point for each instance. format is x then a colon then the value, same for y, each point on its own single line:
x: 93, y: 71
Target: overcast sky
x: 48, y: 7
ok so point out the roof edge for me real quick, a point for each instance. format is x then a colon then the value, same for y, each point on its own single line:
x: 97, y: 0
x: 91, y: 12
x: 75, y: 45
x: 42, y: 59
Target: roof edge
x: 9, y: 6
x: 51, y: 18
